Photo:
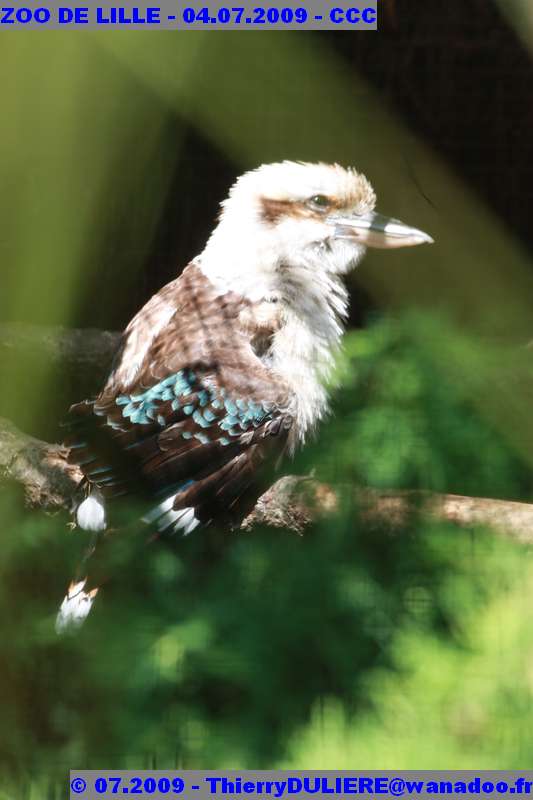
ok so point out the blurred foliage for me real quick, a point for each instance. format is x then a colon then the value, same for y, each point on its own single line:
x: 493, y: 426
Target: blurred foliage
x: 462, y: 700
x: 426, y: 406
x: 354, y: 647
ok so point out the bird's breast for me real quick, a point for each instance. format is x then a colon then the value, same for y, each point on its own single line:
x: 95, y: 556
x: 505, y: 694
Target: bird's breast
x: 259, y: 322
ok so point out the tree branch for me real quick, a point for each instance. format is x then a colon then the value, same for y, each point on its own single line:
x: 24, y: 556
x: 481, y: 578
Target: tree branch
x: 49, y: 482
x: 80, y: 353
x: 87, y: 348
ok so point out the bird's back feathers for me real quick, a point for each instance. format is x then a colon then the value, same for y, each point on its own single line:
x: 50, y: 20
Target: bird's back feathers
x: 197, y: 418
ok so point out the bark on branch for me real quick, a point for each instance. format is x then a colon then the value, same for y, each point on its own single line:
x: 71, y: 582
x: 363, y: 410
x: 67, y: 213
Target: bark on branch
x: 41, y: 469
x: 74, y: 349
x: 49, y: 482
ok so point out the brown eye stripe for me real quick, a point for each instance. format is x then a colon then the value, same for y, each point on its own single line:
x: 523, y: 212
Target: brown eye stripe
x: 271, y: 211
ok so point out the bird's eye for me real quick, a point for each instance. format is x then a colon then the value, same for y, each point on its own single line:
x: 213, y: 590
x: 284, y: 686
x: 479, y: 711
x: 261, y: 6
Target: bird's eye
x: 319, y: 202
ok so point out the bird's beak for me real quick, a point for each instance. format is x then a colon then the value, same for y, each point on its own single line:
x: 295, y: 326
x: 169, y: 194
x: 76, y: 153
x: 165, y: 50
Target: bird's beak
x: 375, y: 230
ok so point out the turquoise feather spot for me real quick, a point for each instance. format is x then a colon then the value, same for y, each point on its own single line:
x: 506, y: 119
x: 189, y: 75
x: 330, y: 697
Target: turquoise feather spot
x: 180, y: 386
x: 256, y: 410
x: 224, y: 441
x: 199, y: 419
x: 228, y: 422
x: 186, y: 435
x: 142, y: 408
x: 230, y: 407
x: 202, y: 437
x: 139, y: 417
x: 242, y: 404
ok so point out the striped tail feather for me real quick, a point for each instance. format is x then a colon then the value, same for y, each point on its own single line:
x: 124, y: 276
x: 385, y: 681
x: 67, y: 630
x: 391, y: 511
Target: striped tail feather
x: 78, y: 600
x: 75, y: 607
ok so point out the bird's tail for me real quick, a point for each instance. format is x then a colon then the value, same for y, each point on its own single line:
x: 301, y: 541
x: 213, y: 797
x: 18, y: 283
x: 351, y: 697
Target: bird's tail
x: 75, y: 607
x: 79, y: 599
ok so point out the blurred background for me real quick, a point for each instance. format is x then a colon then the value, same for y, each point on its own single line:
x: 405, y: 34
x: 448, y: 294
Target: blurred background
x: 355, y: 646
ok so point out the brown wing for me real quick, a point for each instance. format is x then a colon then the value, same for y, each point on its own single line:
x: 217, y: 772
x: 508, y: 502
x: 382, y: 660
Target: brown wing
x: 190, y: 414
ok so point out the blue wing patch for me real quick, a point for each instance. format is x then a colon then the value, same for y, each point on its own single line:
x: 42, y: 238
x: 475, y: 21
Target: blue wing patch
x: 211, y: 411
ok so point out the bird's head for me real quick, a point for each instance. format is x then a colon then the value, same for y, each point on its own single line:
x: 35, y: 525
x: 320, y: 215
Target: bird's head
x: 316, y: 217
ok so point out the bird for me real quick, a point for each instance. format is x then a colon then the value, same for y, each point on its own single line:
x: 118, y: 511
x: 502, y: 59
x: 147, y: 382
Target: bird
x: 222, y: 375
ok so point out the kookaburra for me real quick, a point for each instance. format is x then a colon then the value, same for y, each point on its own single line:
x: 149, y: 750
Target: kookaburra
x: 224, y: 371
